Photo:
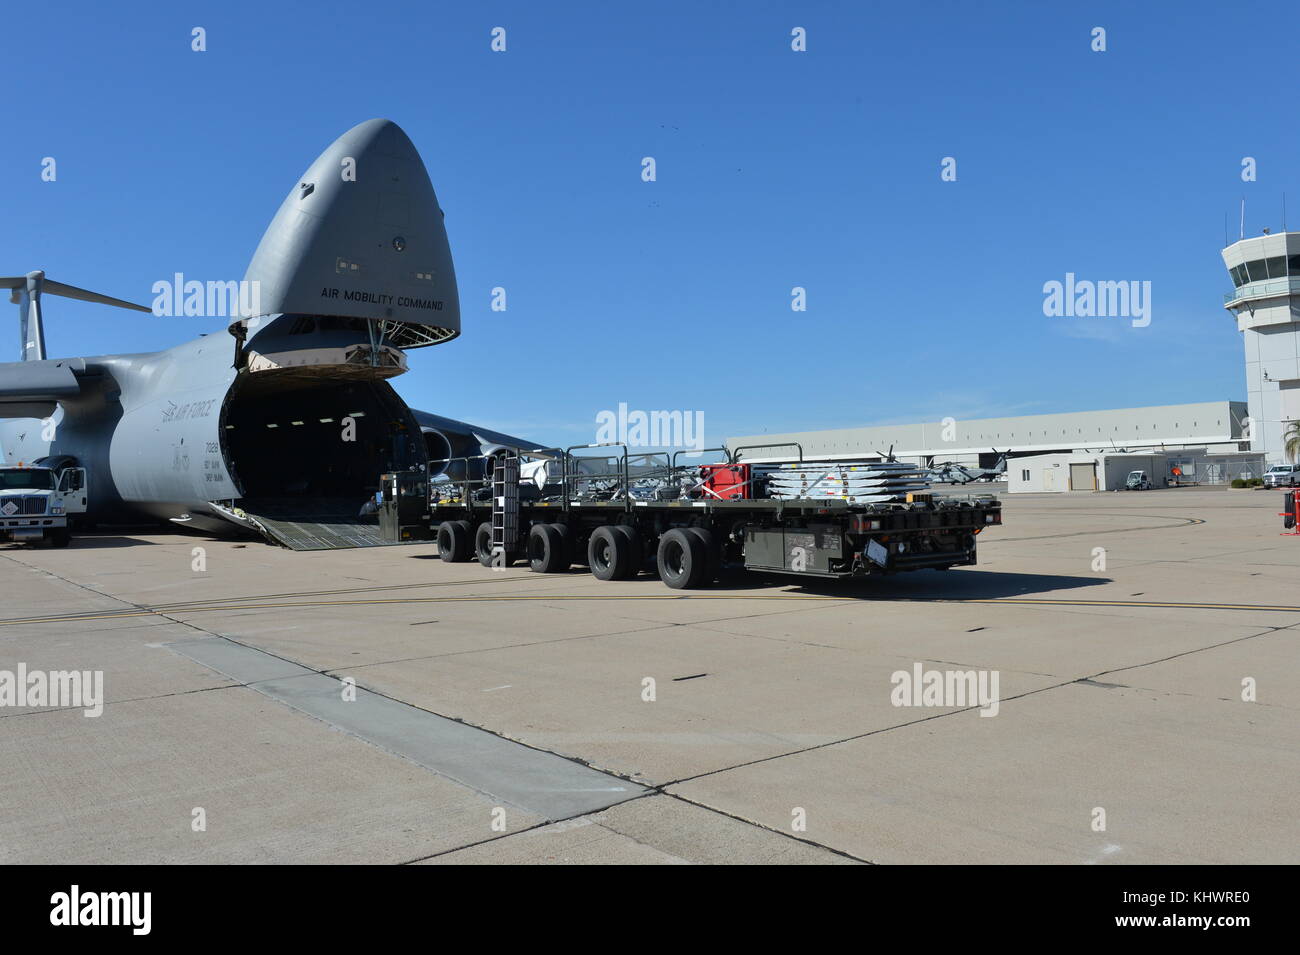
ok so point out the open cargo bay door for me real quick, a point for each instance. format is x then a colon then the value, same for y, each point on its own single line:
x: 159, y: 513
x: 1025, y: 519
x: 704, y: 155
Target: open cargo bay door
x: 307, y: 456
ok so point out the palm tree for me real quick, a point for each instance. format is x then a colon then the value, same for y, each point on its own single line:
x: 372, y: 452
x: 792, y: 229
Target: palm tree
x: 1291, y: 439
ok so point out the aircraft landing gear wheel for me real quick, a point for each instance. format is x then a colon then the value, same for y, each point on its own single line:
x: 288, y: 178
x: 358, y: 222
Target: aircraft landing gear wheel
x: 608, y: 553
x: 454, y: 541
x: 682, y: 560
x: 547, y: 549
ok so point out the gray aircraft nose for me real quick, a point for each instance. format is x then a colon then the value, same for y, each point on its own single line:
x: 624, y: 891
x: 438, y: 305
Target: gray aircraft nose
x: 361, y: 235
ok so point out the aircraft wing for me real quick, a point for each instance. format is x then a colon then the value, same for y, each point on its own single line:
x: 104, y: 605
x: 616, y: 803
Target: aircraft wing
x: 32, y: 389
x: 484, y: 436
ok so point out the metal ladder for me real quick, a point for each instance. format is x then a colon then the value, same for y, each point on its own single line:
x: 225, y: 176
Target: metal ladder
x: 505, y: 505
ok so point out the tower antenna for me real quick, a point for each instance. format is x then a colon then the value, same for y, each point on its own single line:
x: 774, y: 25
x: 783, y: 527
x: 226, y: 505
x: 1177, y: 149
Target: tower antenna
x: 1242, y: 233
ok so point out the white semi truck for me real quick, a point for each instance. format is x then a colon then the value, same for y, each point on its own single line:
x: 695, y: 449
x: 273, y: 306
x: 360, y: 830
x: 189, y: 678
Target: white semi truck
x: 36, y: 502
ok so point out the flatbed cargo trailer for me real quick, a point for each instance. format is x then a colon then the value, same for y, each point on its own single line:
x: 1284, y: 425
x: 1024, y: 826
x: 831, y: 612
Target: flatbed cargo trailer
x: 689, y: 540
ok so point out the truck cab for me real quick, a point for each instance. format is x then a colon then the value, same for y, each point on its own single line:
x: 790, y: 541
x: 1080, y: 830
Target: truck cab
x: 36, y: 502
x: 1282, y: 475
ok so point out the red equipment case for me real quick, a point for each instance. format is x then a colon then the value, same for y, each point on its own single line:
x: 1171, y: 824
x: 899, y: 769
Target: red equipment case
x: 727, y: 482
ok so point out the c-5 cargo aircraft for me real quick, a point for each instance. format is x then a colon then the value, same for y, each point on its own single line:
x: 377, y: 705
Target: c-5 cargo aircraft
x: 284, y: 427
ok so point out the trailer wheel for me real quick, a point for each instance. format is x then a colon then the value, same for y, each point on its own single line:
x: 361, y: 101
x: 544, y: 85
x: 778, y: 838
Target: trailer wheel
x: 682, y: 560
x: 483, y: 546
x: 547, y: 550
x: 453, y: 541
x: 635, y: 548
x: 712, y: 553
x: 608, y: 553
x: 569, y: 547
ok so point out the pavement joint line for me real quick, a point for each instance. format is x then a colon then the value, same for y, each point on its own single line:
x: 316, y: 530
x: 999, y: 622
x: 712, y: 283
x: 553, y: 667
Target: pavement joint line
x: 650, y: 791
x: 213, y: 634
x: 576, y: 763
x: 132, y: 699
x: 758, y: 825
x: 158, y: 610
x: 965, y: 709
x: 325, y: 673
x: 519, y: 832
x: 1214, y: 646
x: 646, y: 790
x: 505, y: 770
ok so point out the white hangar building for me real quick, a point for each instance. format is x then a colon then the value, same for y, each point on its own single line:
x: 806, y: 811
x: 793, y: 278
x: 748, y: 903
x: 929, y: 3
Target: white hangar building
x: 1207, y: 427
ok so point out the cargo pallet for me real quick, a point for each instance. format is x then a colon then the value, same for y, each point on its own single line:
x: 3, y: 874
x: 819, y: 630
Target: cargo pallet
x: 597, y: 520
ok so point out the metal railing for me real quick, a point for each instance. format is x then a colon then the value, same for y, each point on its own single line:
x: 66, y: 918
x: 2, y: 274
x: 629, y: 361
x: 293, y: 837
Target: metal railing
x: 605, y: 479
x: 622, y: 479
x: 1264, y: 289
x: 735, y: 452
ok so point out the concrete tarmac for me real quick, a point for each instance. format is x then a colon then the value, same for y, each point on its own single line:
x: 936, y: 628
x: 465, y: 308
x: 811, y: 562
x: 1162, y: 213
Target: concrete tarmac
x: 381, y: 706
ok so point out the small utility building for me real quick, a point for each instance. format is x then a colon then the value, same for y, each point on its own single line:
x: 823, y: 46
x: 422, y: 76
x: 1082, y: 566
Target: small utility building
x: 1108, y: 471
x: 1055, y: 472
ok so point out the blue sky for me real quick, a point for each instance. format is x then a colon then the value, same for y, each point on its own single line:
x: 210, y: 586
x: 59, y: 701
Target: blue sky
x: 775, y: 169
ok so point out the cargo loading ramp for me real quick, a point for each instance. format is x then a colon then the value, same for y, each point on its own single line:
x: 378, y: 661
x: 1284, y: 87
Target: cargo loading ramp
x: 317, y: 524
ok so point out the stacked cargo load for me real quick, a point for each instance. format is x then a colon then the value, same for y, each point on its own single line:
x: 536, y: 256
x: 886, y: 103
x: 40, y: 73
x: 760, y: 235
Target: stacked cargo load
x: 855, y: 482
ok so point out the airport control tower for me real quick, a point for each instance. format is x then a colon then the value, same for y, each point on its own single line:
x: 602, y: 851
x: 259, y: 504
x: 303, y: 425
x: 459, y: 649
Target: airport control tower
x: 1265, y: 274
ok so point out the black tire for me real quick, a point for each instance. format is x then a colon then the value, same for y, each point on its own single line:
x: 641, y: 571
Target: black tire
x: 547, y: 549
x: 712, y: 553
x: 566, y: 535
x: 566, y: 544
x: 60, y: 537
x: 635, y: 549
x: 681, y: 559
x: 453, y: 541
x: 607, y: 553
x: 571, y: 550
x: 483, y: 545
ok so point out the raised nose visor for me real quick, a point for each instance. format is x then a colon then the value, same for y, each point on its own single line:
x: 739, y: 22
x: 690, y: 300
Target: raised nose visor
x: 322, y: 346
x: 360, y: 236
x: 358, y: 361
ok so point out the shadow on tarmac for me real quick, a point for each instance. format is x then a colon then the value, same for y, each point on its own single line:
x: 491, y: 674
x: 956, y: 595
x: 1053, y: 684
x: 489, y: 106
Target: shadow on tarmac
x: 942, y: 585
x: 956, y: 584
